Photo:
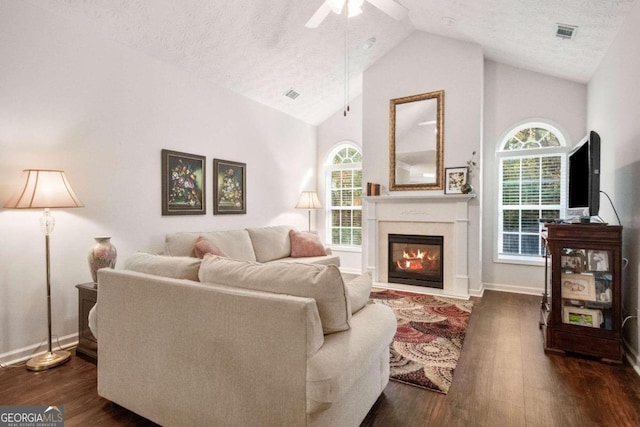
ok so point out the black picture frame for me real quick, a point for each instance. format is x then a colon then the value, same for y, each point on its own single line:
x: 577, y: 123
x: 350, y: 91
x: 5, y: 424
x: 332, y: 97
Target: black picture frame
x: 183, y: 183
x: 229, y: 187
x: 454, y: 179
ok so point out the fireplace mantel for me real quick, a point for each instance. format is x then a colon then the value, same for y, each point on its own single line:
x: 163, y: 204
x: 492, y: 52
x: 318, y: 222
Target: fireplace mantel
x: 445, y: 212
x: 418, y: 199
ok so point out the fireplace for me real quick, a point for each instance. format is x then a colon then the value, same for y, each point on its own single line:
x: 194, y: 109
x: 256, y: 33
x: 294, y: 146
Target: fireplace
x: 416, y: 260
x: 445, y: 215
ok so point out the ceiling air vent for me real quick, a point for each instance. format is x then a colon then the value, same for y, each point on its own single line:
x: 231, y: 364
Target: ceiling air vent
x: 292, y: 93
x: 566, y: 31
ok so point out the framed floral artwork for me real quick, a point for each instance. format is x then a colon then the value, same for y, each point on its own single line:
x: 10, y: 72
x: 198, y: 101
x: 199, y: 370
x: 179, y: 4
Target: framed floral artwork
x: 229, y: 187
x: 183, y: 183
x: 454, y: 179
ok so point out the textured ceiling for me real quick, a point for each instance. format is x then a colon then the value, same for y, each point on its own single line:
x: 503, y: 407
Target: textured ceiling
x: 261, y: 48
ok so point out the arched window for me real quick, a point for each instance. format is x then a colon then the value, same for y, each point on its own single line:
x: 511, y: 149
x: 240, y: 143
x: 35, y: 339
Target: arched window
x: 532, y: 171
x: 344, y: 195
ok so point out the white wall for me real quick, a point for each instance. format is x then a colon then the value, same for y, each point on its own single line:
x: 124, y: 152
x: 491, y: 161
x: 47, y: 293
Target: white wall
x: 333, y: 131
x: 424, y: 63
x: 614, y: 112
x: 513, y: 96
x: 73, y: 100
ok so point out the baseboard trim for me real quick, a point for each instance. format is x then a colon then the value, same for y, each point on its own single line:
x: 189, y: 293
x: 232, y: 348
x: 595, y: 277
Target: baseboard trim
x: 25, y: 353
x: 479, y: 293
x: 632, y: 357
x: 511, y: 288
x: 350, y: 271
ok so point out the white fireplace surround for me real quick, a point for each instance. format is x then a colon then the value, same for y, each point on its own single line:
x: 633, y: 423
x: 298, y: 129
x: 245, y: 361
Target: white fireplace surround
x: 434, y: 215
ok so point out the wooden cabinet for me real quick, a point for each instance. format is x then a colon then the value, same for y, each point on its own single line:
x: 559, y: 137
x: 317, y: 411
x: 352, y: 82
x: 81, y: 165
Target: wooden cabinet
x: 584, y: 312
x: 87, y: 342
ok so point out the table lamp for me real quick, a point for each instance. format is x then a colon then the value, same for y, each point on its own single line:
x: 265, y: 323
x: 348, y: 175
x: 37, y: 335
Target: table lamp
x: 308, y: 200
x: 45, y: 189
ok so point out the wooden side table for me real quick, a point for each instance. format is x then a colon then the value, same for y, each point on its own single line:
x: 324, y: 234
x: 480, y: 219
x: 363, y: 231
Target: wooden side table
x: 87, y: 343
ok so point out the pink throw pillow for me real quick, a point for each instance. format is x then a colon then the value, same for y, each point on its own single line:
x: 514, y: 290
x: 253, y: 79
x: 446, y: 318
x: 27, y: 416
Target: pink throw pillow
x: 203, y: 247
x: 305, y: 244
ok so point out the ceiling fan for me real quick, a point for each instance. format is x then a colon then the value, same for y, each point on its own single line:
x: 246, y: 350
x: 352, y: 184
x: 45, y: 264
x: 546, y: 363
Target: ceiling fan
x: 390, y: 7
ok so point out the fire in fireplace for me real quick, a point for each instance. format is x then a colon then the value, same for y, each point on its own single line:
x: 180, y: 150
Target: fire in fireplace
x: 415, y: 260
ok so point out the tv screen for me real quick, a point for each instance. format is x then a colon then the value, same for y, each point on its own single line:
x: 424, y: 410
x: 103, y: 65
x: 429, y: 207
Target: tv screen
x: 584, y: 175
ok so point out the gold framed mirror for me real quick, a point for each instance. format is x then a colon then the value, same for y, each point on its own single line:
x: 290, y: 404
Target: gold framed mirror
x: 416, y: 142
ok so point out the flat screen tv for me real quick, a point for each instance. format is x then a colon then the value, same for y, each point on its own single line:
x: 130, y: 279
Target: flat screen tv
x: 584, y: 175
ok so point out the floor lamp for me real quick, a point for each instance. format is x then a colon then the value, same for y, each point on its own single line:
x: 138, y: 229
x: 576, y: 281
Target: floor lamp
x: 45, y: 189
x: 308, y: 200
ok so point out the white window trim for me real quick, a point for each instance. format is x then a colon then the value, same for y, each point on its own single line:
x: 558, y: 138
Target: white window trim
x: 562, y: 150
x: 330, y: 167
x: 345, y: 248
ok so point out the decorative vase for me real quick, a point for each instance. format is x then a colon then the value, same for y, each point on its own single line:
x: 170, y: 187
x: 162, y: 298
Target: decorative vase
x: 466, y: 188
x: 101, y: 255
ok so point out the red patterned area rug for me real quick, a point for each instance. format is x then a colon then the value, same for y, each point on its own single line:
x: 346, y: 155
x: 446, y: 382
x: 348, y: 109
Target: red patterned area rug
x: 428, y: 342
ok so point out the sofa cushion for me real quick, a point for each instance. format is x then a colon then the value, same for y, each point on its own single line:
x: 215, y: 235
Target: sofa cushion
x: 345, y: 356
x: 235, y: 243
x: 270, y: 243
x: 175, y: 267
x: 359, y: 290
x: 180, y: 244
x: 324, y: 260
x: 320, y: 282
x: 304, y: 244
x: 203, y: 247
x: 314, y: 335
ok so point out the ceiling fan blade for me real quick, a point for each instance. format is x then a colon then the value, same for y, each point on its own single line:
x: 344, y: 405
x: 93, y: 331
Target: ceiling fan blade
x: 391, y: 8
x: 319, y: 16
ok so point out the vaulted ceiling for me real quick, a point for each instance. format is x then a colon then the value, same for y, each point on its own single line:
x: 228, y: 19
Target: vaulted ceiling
x: 261, y: 48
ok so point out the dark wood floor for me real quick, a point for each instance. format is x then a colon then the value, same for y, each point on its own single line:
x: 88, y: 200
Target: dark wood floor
x: 503, y: 379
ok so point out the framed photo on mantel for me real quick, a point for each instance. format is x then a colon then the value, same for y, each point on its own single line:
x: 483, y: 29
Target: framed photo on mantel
x: 455, y: 179
x: 229, y: 187
x: 183, y: 183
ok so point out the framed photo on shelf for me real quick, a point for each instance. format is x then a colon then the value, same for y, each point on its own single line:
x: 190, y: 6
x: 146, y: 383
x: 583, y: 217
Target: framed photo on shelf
x: 454, y: 179
x: 604, y: 291
x: 574, y: 261
x: 578, y: 287
x: 183, y: 183
x: 598, y: 260
x: 229, y: 187
x: 582, y: 316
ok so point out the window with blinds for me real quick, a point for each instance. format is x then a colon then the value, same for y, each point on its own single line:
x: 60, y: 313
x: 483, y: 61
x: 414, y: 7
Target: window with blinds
x: 532, y: 186
x: 344, y: 171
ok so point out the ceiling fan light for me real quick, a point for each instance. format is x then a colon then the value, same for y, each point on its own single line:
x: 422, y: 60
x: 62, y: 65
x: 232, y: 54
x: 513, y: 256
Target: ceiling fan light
x: 354, y: 11
x: 336, y: 6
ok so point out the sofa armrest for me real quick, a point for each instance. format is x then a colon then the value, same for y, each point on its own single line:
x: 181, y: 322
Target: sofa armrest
x: 224, y: 351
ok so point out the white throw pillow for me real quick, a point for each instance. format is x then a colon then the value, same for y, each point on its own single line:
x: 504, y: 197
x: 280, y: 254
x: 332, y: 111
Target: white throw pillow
x: 320, y: 282
x: 359, y: 290
x: 270, y: 243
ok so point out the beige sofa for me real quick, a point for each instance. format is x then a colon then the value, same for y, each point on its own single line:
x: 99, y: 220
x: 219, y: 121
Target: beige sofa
x: 261, y: 244
x: 249, y: 344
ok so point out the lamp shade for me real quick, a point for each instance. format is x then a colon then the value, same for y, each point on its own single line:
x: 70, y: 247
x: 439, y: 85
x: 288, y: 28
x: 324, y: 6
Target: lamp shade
x: 308, y: 200
x: 41, y: 188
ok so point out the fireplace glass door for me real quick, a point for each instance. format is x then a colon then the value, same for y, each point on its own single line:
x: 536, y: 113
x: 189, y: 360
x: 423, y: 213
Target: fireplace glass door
x: 416, y: 260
